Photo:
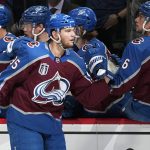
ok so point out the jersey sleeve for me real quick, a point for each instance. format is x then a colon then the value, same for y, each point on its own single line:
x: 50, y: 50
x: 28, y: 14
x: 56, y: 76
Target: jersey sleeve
x: 14, y: 74
x: 87, y: 92
x: 128, y: 73
x: 17, y: 71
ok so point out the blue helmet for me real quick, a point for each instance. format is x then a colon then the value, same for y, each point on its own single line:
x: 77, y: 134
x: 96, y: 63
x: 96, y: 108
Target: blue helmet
x: 36, y: 15
x: 58, y: 22
x: 84, y: 17
x: 145, y: 9
x: 5, y: 15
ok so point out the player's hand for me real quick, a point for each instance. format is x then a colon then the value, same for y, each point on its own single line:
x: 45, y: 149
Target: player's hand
x: 116, y: 59
x: 99, y: 65
x: 113, y: 65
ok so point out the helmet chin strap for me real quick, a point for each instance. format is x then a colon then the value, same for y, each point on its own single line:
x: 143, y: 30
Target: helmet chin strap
x: 144, y: 29
x: 58, y: 41
x: 84, y: 32
x: 81, y: 32
x: 76, y: 39
x: 36, y: 35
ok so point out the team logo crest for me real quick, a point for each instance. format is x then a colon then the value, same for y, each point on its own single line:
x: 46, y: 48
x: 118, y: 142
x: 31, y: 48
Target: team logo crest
x: 138, y: 40
x: 8, y: 39
x: 55, y: 95
x: 86, y: 47
x: 81, y: 12
x: 33, y: 44
x: 43, y: 69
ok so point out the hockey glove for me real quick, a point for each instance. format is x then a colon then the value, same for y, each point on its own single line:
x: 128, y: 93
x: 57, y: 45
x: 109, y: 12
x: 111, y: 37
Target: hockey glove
x: 112, y: 66
x: 96, y: 62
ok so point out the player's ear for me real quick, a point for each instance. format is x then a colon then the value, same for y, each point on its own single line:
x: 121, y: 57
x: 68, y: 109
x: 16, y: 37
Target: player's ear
x: 148, y: 25
x: 40, y: 27
x: 55, y: 35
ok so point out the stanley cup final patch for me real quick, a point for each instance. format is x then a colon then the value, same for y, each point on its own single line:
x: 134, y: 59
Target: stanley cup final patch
x: 43, y: 69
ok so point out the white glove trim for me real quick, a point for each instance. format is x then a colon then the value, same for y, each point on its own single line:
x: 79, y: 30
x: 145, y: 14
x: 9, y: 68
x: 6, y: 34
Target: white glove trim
x: 94, y: 61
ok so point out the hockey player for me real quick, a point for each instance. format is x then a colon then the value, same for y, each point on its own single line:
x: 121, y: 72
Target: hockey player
x: 86, y: 39
x: 5, y: 38
x: 33, y: 22
x: 38, y: 82
x: 86, y: 34
x: 133, y: 74
x: 134, y: 71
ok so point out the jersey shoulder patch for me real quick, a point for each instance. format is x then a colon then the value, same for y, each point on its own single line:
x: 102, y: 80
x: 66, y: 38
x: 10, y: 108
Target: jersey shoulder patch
x: 138, y: 40
x: 8, y: 39
x: 33, y: 44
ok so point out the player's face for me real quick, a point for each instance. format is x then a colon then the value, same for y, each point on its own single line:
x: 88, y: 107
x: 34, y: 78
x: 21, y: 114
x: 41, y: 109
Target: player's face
x: 27, y: 29
x: 1, y: 33
x: 139, y: 22
x: 67, y: 37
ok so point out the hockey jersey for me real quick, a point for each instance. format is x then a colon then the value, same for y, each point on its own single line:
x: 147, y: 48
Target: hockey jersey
x: 4, y: 58
x: 134, y: 73
x: 94, y: 42
x: 104, y: 105
x: 38, y: 81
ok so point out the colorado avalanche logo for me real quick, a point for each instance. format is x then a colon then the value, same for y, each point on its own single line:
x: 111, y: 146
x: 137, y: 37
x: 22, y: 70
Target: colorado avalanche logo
x: 86, y: 47
x: 8, y: 39
x: 138, y: 40
x: 33, y: 44
x: 55, y: 96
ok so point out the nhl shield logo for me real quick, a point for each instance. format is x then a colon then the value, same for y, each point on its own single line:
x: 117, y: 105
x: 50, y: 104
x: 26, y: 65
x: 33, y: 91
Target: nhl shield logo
x: 43, y: 69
